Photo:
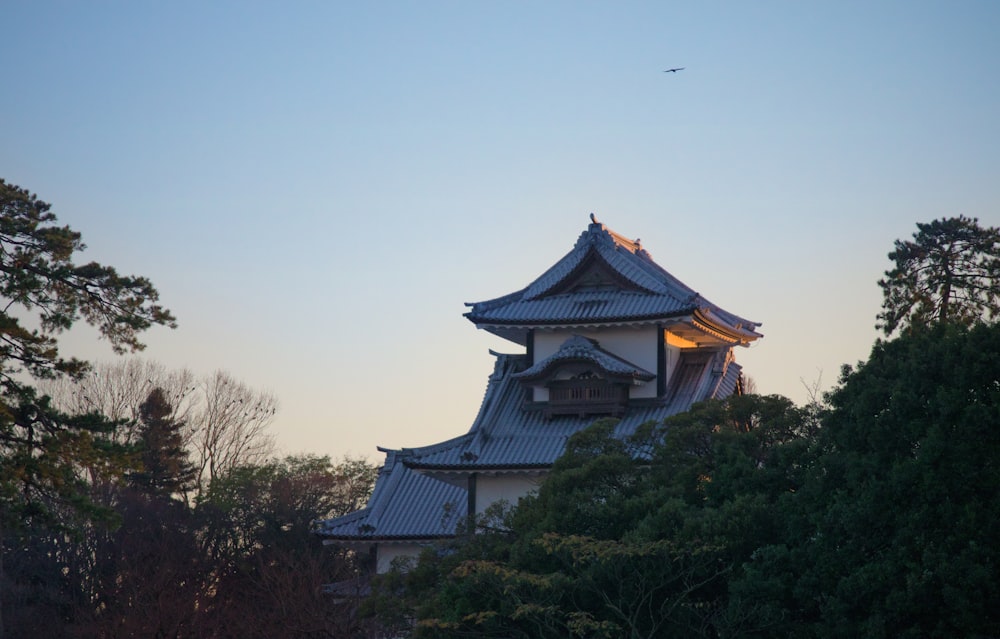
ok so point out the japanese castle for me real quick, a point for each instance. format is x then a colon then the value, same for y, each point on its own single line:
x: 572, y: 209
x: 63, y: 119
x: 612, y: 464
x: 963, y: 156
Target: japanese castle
x: 606, y: 332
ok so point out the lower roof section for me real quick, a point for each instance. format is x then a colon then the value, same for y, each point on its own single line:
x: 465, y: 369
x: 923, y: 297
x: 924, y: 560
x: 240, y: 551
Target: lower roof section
x: 405, y: 505
x: 421, y: 492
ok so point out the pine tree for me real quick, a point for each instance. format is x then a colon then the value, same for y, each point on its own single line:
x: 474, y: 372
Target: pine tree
x: 948, y: 274
x: 44, y: 292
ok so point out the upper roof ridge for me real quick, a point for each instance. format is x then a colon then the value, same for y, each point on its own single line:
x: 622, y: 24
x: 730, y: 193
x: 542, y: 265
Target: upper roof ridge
x: 598, y: 233
x: 631, y: 288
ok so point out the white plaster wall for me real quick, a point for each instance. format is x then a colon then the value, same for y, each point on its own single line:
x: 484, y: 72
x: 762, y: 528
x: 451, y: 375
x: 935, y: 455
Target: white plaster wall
x: 673, y: 354
x: 387, y: 552
x: 491, y: 489
x: 637, y: 345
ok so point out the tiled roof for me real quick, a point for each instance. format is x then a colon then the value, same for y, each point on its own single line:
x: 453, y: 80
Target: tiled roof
x: 630, y: 287
x: 414, y: 498
x: 606, y: 279
x: 513, y: 435
x: 404, y: 505
x: 579, y: 348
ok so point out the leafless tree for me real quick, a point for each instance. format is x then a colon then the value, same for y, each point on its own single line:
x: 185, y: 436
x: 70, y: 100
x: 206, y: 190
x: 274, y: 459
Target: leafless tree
x: 231, y: 427
x: 226, y: 420
x: 117, y: 389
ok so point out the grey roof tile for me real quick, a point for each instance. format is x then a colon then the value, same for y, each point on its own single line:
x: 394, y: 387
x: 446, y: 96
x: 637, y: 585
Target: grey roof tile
x: 411, y: 501
x: 404, y: 505
x: 649, y: 293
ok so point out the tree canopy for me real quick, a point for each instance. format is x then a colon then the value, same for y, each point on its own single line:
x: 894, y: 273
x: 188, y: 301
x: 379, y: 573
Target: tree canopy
x: 900, y: 519
x: 45, y: 292
x: 39, y: 278
x: 948, y: 273
x: 872, y: 515
x: 625, y: 538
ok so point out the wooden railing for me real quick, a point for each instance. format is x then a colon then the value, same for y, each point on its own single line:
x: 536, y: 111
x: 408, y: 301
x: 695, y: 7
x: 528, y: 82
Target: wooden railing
x: 586, y: 397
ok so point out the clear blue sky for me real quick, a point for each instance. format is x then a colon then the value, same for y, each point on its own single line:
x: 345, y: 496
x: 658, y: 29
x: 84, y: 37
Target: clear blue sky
x: 317, y: 187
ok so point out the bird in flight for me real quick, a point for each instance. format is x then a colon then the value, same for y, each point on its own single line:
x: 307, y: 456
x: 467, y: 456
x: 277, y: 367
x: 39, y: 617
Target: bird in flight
x: 674, y: 70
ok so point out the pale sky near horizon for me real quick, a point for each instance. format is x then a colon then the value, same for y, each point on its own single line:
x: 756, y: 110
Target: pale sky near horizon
x: 317, y: 188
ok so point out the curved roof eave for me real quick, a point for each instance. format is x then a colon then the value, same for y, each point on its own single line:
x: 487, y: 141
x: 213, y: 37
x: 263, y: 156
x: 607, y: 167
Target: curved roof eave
x: 474, y: 467
x: 624, y: 261
x: 579, y: 349
x: 568, y: 322
x: 364, y: 540
x: 708, y: 320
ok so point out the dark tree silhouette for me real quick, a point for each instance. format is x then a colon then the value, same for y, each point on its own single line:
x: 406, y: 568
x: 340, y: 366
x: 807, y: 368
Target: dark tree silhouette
x: 166, y: 468
x: 43, y: 293
x: 949, y: 273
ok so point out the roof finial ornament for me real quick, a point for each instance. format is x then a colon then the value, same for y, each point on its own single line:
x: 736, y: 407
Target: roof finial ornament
x: 593, y: 218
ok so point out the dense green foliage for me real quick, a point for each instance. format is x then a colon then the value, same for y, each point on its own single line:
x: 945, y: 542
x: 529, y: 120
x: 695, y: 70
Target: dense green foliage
x: 268, y: 567
x: 900, y: 520
x: 948, y: 274
x: 873, y: 516
x: 635, y: 538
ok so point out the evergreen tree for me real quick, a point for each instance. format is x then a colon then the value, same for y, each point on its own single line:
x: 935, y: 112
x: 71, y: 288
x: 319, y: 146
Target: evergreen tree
x: 902, y: 510
x: 166, y: 468
x: 43, y: 293
x: 257, y: 524
x: 949, y: 273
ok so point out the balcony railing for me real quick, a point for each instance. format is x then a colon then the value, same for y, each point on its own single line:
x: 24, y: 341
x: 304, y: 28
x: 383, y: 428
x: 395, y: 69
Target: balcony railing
x: 586, y: 397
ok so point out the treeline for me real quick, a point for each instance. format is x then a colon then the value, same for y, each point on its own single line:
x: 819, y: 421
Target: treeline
x: 240, y: 560
x: 136, y: 501
x: 184, y: 525
x: 222, y: 421
x: 875, y: 515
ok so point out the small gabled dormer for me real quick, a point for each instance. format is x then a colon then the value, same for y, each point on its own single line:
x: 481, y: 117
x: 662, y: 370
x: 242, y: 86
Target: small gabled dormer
x: 583, y: 379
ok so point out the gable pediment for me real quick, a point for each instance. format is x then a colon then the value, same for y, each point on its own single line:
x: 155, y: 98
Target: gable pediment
x: 592, y: 273
x: 582, y: 358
